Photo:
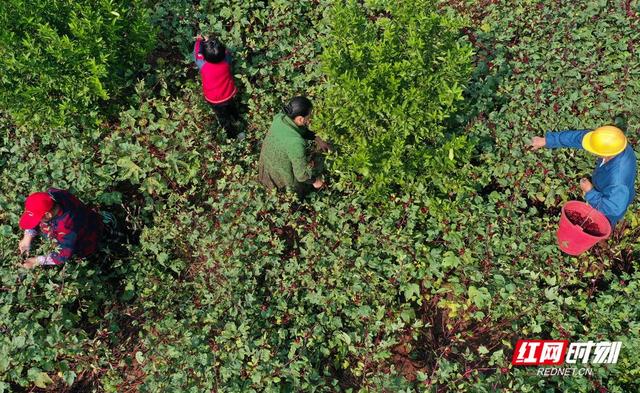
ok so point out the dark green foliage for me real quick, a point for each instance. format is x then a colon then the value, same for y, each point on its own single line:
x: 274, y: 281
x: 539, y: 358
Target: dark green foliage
x: 395, y: 72
x: 64, y: 60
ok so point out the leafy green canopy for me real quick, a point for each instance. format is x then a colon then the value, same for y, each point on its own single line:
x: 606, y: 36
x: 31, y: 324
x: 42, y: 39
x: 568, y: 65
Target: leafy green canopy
x: 65, y: 59
x: 395, y: 72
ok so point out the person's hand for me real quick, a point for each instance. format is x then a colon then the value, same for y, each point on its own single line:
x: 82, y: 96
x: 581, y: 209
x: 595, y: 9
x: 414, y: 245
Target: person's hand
x: 538, y: 142
x: 322, y: 145
x: 585, y: 185
x: 25, y: 244
x: 30, y: 263
x: 318, y: 183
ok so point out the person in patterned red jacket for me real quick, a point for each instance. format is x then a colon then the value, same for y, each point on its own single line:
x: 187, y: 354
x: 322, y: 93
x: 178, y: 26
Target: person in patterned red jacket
x: 60, y: 216
x: 214, y: 62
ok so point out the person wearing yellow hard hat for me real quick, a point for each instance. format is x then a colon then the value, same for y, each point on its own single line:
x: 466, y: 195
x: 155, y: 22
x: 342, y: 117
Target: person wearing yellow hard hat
x: 613, y: 187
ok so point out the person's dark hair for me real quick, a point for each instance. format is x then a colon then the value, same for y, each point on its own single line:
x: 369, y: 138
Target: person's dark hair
x: 213, y: 50
x: 298, y: 106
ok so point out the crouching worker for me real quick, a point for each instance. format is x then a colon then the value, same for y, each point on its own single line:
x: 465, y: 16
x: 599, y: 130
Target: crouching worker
x: 284, y: 162
x: 63, y: 218
x: 613, y: 187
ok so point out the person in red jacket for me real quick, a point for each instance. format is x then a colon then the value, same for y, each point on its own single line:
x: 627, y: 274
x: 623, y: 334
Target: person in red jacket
x: 214, y: 62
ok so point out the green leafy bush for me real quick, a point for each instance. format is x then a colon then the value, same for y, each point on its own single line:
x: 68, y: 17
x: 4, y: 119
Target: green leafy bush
x: 66, y: 59
x: 395, y: 73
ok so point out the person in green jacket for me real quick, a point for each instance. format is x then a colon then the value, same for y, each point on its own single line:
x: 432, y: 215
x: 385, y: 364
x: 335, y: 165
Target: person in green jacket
x: 284, y: 163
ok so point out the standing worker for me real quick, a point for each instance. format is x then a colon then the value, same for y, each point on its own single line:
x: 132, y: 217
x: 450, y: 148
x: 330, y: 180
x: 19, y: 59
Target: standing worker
x: 613, y: 187
x: 214, y: 62
x: 63, y: 218
x: 284, y: 163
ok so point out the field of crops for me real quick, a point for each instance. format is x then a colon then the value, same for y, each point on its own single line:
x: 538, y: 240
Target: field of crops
x: 430, y: 251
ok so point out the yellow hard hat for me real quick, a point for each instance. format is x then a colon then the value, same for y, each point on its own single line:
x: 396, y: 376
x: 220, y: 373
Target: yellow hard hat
x: 605, y: 141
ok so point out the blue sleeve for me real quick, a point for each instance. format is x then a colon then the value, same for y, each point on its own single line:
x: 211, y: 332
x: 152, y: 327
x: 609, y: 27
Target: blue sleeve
x: 612, y: 201
x: 197, y: 56
x: 571, y: 139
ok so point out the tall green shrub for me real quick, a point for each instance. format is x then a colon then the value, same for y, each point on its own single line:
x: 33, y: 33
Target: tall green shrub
x: 66, y: 58
x: 395, y: 72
